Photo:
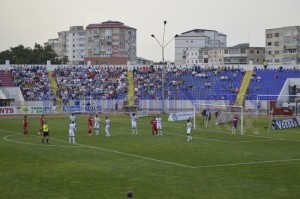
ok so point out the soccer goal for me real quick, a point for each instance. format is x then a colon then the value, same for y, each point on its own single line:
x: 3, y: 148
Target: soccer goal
x: 208, y: 115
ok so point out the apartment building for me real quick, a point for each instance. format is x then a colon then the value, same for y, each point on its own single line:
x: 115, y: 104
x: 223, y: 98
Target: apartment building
x: 110, y: 39
x: 70, y: 44
x: 53, y: 43
x: 283, y: 45
x: 191, y: 42
x: 239, y: 54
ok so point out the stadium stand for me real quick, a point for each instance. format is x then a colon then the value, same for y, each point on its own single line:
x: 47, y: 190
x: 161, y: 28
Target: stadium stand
x: 94, y: 82
x: 33, y: 82
x: 269, y: 82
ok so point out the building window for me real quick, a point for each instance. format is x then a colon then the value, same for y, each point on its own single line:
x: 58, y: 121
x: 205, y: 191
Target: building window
x: 220, y: 52
x: 276, y: 43
x: 277, y: 52
x: 251, y: 52
x: 257, y: 52
x: 269, y: 43
x: 276, y: 34
x: 257, y: 61
x: 269, y: 35
x: 277, y: 61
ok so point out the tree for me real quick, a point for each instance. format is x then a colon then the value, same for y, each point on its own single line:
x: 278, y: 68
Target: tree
x: 38, y: 55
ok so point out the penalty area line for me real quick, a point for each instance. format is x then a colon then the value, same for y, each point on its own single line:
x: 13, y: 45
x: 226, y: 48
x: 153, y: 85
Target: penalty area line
x: 248, y: 163
x: 98, y: 148
x: 138, y: 156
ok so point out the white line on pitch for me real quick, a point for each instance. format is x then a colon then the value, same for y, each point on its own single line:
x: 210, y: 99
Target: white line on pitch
x: 246, y: 141
x: 201, y: 138
x: 248, y: 163
x: 48, y: 145
x: 137, y: 156
x: 103, y: 149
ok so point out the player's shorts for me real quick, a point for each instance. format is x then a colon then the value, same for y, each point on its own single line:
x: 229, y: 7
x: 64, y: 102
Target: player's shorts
x: 189, y: 131
x: 46, y: 134
x: 96, y: 126
x: 71, y: 133
x: 159, y: 126
x: 133, y: 124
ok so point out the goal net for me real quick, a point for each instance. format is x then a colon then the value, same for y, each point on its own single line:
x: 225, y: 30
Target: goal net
x: 218, y: 117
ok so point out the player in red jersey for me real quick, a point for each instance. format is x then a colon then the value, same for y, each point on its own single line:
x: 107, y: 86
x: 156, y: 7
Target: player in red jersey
x: 42, y: 122
x: 25, y: 132
x: 153, y: 123
x: 90, y: 125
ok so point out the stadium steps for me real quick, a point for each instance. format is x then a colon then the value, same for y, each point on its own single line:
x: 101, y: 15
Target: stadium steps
x: 243, y: 88
x: 130, y: 90
x: 54, y: 88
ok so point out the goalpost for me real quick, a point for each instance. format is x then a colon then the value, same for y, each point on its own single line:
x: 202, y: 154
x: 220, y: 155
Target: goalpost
x: 222, y: 114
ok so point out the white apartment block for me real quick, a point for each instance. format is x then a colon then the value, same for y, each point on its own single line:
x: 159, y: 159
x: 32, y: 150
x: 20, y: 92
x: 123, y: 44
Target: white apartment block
x: 73, y: 44
x: 70, y: 44
x: 283, y: 45
x: 111, y: 39
x: 194, y: 40
x: 53, y: 43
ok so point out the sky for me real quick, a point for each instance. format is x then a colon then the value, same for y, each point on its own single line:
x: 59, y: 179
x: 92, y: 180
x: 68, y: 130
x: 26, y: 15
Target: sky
x: 28, y: 22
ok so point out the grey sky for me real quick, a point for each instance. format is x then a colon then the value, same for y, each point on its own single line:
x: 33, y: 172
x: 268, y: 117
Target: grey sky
x: 35, y: 21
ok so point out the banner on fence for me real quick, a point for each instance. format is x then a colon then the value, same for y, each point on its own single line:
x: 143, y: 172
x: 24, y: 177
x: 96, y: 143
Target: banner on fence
x: 286, y: 123
x: 8, y: 110
x: 37, y: 109
x: 71, y: 109
x: 93, y: 109
x: 181, y: 116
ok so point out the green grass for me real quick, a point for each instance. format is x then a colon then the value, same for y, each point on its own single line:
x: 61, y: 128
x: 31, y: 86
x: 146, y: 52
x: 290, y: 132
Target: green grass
x: 215, y: 164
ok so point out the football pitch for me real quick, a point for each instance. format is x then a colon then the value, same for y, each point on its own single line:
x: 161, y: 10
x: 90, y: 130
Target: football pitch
x: 214, y: 164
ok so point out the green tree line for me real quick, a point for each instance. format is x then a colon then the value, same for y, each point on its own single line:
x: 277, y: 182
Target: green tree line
x: 37, y: 55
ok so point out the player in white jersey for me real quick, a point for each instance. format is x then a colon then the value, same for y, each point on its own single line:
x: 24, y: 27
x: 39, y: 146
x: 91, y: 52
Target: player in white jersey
x: 107, y: 127
x: 159, y: 125
x: 72, y: 129
x: 189, y: 126
x: 73, y: 118
x: 96, y: 124
x: 133, y: 123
